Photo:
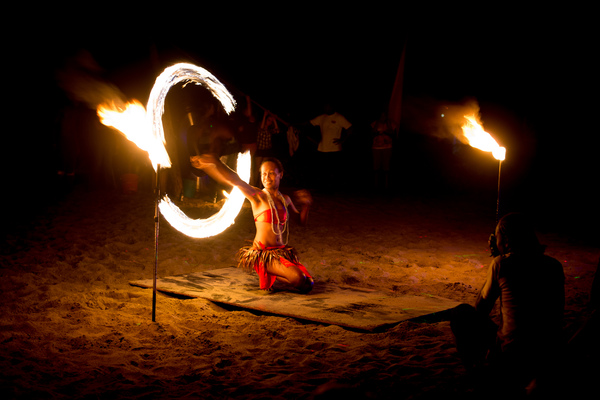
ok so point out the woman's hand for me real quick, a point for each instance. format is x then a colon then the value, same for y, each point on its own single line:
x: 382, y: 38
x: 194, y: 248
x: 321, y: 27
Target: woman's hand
x: 304, y: 200
x: 204, y: 161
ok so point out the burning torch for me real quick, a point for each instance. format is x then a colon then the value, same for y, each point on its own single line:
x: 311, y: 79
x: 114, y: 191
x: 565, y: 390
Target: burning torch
x: 480, y: 139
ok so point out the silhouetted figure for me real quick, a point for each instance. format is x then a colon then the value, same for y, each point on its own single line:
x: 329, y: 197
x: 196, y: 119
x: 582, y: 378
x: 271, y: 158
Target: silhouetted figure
x: 528, y: 344
x: 382, y: 152
x: 246, y: 132
x: 584, y: 350
x: 212, y: 135
x: 264, y: 141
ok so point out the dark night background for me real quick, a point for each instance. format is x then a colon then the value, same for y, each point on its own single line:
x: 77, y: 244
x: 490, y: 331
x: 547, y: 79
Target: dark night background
x: 530, y: 73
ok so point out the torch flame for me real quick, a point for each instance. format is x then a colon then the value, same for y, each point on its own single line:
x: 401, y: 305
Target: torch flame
x: 132, y: 122
x: 480, y: 139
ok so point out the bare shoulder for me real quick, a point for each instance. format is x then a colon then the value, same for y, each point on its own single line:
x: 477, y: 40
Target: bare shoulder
x: 256, y: 196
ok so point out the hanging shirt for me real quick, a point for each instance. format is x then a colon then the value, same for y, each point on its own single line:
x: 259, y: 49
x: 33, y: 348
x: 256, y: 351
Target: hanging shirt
x: 331, y: 128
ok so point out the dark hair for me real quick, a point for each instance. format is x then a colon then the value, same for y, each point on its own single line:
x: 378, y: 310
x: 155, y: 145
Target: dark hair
x: 274, y: 161
x: 518, y: 233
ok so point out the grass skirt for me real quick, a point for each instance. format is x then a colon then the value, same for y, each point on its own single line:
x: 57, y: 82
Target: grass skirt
x: 257, y: 257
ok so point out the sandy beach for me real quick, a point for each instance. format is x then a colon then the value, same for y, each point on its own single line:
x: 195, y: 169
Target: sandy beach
x: 73, y: 327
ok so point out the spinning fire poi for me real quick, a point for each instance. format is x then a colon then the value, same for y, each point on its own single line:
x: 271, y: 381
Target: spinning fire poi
x: 145, y: 129
x: 275, y: 260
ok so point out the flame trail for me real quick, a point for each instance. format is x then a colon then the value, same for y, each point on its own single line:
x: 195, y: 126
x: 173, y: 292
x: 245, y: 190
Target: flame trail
x: 173, y: 75
x: 145, y: 129
x: 202, y: 228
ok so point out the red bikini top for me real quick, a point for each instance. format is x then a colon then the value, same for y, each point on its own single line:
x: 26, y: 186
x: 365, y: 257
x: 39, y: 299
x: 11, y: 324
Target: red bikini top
x: 265, y: 216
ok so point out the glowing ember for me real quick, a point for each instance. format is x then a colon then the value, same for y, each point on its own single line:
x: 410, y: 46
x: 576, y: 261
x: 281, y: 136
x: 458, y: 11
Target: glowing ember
x: 480, y: 139
x: 145, y: 129
x: 132, y: 121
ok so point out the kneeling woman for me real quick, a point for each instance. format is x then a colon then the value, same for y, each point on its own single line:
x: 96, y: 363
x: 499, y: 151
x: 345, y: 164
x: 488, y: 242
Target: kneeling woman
x: 269, y: 255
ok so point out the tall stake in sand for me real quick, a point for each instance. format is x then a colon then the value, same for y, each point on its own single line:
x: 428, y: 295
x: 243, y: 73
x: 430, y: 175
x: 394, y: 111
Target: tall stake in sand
x: 156, y: 233
x: 146, y: 131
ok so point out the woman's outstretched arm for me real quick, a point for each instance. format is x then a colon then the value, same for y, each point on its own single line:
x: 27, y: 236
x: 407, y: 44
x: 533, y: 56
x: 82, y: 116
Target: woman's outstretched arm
x: 223, y: 174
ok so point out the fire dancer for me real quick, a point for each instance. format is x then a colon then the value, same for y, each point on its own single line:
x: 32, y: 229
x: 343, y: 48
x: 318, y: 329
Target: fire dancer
x: 269, y: 255
x: 530, y: 286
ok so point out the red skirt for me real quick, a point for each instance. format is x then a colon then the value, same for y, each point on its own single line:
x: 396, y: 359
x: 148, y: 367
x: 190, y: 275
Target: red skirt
x: 258, y: 256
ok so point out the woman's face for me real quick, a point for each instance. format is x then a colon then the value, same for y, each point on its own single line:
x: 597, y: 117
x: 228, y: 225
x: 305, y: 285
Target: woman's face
x: 270, y: 175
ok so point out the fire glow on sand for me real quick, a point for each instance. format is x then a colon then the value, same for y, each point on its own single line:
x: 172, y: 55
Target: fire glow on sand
x: 145, y: 129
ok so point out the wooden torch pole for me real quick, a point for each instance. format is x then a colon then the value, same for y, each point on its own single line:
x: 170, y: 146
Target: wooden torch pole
x: 498, y: 198
x: 156, y: 231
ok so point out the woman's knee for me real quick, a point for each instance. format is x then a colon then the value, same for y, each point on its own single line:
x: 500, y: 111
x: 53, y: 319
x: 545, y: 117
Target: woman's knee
x: 298, y: 279
x: 307, y: 285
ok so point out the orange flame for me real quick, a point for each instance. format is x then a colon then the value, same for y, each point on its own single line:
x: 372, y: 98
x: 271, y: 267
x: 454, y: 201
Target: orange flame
x: 480, y: 139
x: 144, y: 128
x: 132, y: 121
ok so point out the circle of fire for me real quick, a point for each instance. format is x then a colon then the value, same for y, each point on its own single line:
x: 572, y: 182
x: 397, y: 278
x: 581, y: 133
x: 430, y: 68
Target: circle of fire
x: 145, y: 129
x: 197, y: 228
